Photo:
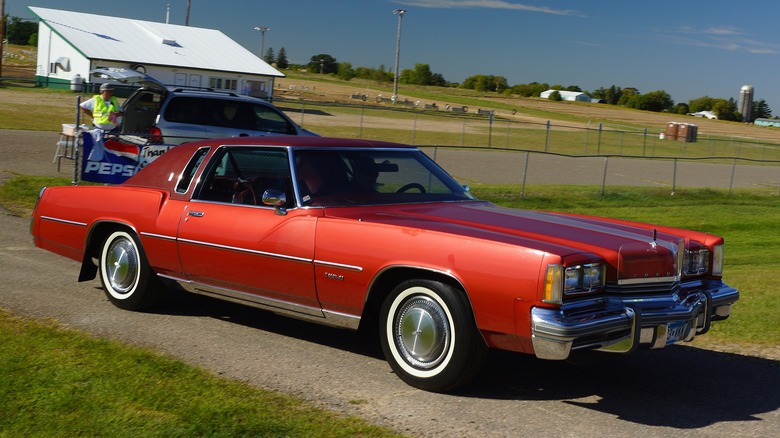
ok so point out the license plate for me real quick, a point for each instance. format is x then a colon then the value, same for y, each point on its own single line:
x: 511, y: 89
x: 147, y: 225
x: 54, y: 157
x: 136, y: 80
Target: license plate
x: 676, y: 331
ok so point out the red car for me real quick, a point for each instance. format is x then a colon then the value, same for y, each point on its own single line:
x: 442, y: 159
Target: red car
x: 357, y: 234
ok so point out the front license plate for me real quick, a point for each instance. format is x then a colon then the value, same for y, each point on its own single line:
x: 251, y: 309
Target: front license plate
x: 676, y: 331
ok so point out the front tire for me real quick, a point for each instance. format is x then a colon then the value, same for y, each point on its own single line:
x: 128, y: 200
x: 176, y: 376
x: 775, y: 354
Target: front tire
x: 429, y: 336
x: 127, y: 278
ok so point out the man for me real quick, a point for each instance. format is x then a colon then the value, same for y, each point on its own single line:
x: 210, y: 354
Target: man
x: 103, y: 108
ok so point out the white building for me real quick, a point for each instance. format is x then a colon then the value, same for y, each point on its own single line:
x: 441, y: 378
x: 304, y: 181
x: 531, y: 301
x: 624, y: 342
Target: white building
x: 567, y: 95
x: 71, y: 44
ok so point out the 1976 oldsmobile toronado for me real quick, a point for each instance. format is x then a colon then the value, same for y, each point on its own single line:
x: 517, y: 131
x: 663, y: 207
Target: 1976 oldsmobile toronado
x: 352, y: 233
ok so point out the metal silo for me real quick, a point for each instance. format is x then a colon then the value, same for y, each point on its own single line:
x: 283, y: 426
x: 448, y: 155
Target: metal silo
x: 746, y: 102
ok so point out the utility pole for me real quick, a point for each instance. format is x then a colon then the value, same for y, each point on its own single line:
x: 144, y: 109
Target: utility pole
x: 2, y: 35
x: 400, y: 13
x: 262, y: 30
x: 187, y: 16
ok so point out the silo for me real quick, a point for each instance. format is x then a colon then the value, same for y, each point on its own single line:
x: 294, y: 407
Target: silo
x: 746, y: 102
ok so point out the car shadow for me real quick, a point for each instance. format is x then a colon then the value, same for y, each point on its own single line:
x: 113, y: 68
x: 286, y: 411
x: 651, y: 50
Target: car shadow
x: 681, y: 387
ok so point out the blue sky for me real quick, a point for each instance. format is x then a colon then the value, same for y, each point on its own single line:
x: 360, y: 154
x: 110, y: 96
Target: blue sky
x: 688, y: 48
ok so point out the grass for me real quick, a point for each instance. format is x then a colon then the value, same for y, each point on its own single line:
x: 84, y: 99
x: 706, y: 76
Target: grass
x: 86, y: 386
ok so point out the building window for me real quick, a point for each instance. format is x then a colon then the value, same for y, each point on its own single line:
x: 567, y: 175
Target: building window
x: 223, y: 84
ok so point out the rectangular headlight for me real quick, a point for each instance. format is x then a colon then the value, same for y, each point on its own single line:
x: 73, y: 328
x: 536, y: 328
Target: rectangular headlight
x: 696, y: 262
x: 717, y: 260
x: 584, y: 278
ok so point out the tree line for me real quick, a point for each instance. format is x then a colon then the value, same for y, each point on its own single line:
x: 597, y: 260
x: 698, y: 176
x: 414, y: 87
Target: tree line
x: 630, y: 97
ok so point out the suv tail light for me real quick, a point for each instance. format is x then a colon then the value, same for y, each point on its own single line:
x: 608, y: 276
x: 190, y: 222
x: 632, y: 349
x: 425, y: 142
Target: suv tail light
x: 155, y: 135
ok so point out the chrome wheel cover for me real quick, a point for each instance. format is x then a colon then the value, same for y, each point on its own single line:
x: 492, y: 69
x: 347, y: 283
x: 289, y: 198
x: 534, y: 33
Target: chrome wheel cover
x: 421, y: 332
x: 121, y: 266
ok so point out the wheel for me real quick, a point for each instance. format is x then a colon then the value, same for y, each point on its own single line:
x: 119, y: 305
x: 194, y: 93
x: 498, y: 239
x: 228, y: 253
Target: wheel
x: 429, y: 336
x: 410, y: 186
x: 128, y: 281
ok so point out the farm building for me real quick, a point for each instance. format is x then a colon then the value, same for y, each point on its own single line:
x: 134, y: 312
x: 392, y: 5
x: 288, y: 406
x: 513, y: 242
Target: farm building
x: 567, y: 95
x: 70, y: 46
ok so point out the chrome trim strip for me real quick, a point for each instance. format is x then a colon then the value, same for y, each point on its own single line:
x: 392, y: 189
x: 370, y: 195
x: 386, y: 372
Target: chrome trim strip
x: 339, y: 265
x: 648, y: 280
x: 157, y: 236
x: 63, y: 221
x: 248, y: 251
x: 299, y: 311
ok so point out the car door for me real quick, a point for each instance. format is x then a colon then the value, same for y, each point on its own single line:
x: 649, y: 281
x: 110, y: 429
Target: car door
x: 232, y: 245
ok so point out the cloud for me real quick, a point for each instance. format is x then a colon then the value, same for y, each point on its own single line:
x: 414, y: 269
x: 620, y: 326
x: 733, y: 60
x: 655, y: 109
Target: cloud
x: 484, y: 4
x: 726, y: 38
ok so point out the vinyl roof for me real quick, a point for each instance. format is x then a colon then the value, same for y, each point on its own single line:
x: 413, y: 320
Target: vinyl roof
x: 145, y: 42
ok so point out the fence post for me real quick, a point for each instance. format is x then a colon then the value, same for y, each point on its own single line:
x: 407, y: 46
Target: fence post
x: 303, y: 106
x: 525, y: 175
x: 508, y: 124
x: 587, y: 131
x: 76, y: 141
x: 598, y: 149
x: 490, y: 129
x: 644, y: 143
x: 547, y: 138
x: 674, y: 177
x: 360, y: 127
x: 733, y: 169
x: 604, y: 177
x: 463, y: 133
x: 414, y: 128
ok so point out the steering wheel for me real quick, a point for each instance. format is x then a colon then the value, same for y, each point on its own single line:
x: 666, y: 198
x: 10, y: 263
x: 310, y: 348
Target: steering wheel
x: 410, y: 186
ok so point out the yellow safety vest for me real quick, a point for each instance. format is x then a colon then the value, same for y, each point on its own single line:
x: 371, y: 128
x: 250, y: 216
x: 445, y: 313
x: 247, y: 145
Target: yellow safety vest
x: 101, y: 112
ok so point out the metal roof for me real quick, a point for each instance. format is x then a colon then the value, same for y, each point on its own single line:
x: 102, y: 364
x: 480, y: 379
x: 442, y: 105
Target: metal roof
x: 144, y: 42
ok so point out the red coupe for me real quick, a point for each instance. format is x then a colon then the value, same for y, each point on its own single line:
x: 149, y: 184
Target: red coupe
x: 358, y: 234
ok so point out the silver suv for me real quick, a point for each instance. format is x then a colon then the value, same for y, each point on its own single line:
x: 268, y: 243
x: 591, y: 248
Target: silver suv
x: 174, y: 115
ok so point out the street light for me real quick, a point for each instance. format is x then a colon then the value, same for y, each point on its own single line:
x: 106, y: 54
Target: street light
x: 262, y: 30
x: 400, y: 13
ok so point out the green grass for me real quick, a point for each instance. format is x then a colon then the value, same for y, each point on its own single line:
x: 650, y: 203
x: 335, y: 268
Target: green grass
x: 59, y: 382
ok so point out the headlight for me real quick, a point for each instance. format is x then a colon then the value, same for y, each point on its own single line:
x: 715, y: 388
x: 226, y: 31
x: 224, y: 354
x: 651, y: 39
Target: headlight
x: 580, y: 279
x: 696, y: 262
x: 584, y: 278
x: 717, y: 260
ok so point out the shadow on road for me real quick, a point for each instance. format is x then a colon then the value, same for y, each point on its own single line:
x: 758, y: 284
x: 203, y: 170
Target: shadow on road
x: 680, y: 387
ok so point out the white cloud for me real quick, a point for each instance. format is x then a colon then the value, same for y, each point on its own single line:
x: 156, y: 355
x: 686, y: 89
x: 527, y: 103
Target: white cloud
x: 484, y: 4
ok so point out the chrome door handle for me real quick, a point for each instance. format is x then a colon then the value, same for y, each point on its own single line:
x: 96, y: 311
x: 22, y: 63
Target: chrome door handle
x: 195, y: 213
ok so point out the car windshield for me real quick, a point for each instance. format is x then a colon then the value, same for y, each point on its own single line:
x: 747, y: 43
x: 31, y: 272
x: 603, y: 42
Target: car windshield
x: 375, y: 176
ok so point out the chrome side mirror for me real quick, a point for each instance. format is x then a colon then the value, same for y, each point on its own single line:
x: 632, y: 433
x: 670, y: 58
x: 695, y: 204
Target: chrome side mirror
x: 276, y: 199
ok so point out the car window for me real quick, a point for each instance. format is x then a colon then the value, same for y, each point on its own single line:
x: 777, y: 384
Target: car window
x: 242, y: 175
x: 140, y: 111
x: 227, y: 113
x: 348, y: 177
x: 189, y: 172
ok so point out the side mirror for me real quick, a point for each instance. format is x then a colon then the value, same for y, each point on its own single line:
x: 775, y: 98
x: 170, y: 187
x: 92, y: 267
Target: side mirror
x: 276, y: 199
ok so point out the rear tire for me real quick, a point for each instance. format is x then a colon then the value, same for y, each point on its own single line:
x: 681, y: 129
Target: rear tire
x: 127, y: 278
x: 429, y: 336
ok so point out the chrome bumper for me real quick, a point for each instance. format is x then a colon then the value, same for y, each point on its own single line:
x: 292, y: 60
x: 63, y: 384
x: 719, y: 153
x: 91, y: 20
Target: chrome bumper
x: 620, y: 324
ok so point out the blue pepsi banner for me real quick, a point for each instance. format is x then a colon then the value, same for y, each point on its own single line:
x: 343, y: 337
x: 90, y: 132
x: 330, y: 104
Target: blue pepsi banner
x: 113, y: 161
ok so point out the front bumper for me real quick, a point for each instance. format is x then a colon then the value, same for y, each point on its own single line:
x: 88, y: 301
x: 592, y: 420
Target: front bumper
x: 621, y: 323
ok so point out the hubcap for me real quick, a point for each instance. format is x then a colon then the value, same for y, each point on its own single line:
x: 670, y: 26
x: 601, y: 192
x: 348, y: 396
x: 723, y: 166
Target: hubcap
x: 121, y: 266
x: 422, y: 332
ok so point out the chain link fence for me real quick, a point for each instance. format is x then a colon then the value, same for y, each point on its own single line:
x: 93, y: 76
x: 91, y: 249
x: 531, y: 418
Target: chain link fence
x: 488, y: 147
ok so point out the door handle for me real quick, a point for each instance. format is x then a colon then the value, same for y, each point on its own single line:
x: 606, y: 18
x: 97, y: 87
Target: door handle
x: 195, y: 213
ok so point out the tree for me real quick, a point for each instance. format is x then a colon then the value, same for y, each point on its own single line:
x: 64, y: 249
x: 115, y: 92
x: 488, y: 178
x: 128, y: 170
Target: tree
x: 281, y: 59
x: 556, y: 96
x: 653, y: 101
x: 760, y: 110
x: 626, y: 95
x: 323, y: 63
x: 269, y: 56
x: 345, y: 72
x: 20, y: 32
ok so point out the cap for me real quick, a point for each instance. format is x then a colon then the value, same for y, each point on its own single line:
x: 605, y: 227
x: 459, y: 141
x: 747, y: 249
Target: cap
x: 106, y: 87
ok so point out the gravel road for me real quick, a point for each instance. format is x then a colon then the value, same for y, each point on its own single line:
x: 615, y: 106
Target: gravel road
x: 681, y: 391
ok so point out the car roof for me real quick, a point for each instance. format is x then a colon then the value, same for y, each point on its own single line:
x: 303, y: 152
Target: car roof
x: 299, y: 141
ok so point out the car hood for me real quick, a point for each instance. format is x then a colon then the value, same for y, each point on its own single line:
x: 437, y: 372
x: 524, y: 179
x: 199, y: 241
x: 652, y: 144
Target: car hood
x: 633, y: 250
